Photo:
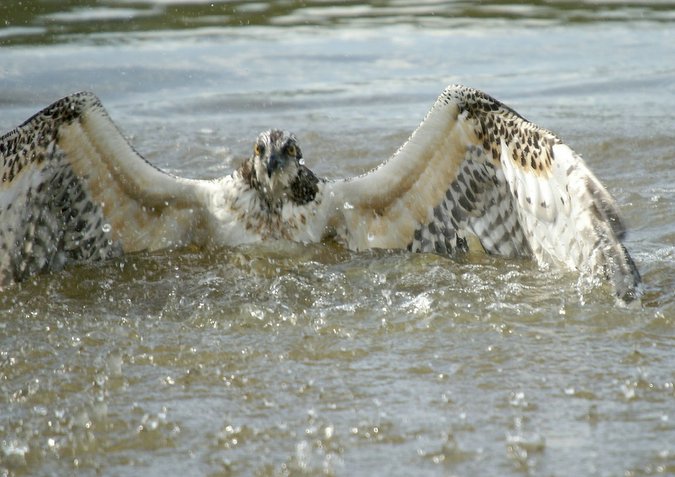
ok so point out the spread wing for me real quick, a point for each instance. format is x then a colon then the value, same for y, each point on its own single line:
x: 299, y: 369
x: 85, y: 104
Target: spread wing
x: 74, y: 189
x: 475, y: 169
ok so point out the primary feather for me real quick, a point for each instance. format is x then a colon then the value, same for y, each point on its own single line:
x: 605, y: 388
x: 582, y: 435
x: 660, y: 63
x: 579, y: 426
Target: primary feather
x: 476, y: 168
x: 74, y: 189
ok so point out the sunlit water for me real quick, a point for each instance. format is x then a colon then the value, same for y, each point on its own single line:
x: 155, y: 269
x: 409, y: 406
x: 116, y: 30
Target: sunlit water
x: 289, y: 359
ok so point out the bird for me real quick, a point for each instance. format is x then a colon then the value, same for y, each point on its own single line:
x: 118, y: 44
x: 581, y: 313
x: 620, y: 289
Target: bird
x: 474, y: 175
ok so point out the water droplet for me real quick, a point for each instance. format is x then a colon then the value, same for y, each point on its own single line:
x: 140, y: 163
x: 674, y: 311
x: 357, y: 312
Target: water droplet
x: 628, y: 390
x: 303, y: 454
x: 348, y: 206
x: 302, y: 162
x: 106, y: 228
x: 387, y: 298
x: 371, y: 237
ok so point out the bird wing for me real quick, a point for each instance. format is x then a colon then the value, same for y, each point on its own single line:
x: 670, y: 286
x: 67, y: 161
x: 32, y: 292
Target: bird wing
x: 476, y: 169
x: 74, y: 189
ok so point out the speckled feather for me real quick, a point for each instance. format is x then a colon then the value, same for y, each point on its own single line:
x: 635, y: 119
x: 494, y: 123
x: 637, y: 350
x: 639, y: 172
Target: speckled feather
x: 73, y: 189
x: 474, y: 172
x: 475, y: 168
x: 47, y: 218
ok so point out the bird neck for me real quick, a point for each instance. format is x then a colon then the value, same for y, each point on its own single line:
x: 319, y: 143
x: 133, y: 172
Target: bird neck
x: 271, y: 202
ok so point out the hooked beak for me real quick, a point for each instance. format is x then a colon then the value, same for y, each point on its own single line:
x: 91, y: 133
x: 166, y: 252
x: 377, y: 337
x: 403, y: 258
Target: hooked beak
x: 275, y: 162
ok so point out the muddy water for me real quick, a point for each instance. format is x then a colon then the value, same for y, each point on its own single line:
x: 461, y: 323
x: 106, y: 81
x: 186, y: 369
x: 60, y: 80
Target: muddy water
x: 310, y: 360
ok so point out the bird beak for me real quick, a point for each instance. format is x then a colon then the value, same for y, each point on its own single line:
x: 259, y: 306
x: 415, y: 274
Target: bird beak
x: 275, y: 162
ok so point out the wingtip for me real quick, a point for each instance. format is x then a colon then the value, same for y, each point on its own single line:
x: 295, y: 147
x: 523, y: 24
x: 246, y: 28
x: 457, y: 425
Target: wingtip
x: 627, y: 279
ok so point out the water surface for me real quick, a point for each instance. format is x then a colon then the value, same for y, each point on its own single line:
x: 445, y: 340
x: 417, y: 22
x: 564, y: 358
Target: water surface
x: 308, y: 360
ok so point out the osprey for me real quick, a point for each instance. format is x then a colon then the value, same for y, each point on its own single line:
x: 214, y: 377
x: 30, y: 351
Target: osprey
x: 474, y: 174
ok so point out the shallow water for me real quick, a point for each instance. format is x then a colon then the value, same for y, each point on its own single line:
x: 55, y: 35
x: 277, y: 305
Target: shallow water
x: 288, y: 359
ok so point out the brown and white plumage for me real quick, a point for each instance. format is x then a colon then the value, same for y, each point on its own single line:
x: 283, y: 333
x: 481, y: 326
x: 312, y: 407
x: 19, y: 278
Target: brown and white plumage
x: 74, y: 189
x: 476, y: 168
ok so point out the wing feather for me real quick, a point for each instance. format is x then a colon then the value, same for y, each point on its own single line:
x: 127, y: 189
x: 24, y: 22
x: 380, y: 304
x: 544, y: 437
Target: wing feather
x: 475, y: 167
x: 74, y: 189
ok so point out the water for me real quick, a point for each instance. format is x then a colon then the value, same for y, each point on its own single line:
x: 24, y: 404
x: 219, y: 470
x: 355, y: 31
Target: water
x: 288, y: 359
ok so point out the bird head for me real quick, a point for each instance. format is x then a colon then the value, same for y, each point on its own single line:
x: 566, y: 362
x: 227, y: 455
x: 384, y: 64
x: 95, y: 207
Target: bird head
x: 276, y: 161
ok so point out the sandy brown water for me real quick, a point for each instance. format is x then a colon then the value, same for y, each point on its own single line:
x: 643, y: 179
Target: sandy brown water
x: 288, y: 359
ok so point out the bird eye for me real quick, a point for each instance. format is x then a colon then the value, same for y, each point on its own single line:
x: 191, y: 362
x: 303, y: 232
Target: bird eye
x: 259, y: 149
x: 291, y: 150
